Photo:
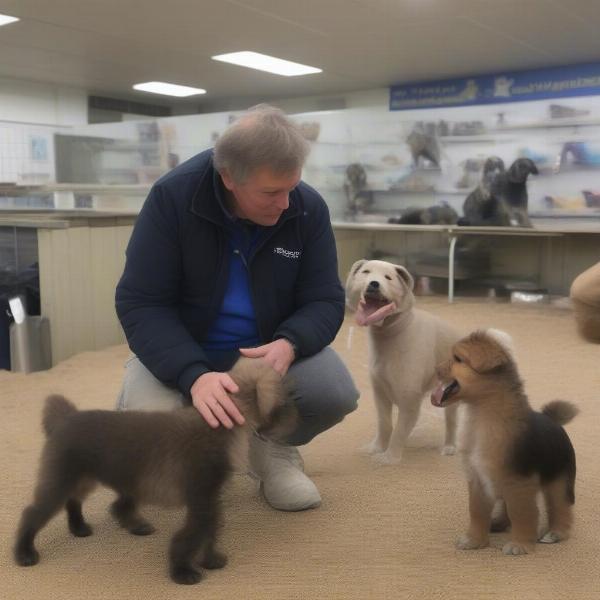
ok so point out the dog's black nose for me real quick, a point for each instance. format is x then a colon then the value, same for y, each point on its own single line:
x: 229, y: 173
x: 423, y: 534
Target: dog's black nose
x: 374, y: 285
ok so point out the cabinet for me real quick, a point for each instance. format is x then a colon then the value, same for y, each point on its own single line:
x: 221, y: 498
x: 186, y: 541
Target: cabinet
x: 81, y: 257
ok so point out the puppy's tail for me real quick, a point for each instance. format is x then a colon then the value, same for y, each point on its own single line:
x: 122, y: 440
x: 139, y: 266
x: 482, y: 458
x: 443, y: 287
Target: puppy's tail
x: 56, y: 410
x: 560, y: 412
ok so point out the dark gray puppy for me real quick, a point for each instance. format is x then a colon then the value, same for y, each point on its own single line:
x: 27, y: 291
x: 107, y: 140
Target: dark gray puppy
x: 166, y: 458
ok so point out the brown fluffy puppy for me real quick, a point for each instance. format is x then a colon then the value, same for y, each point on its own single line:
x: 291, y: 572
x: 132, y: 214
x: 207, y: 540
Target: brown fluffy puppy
x: 510, y: 452
x: 166, y: 458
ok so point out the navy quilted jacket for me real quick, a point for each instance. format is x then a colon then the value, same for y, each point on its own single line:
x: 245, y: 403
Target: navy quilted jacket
x: 177, y: 266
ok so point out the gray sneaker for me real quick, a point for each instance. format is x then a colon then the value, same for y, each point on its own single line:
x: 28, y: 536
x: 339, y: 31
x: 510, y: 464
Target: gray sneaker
x: 280, y: 470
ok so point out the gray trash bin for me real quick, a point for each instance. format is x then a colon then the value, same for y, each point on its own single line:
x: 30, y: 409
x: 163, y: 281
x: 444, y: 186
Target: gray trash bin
x: 29, y: 340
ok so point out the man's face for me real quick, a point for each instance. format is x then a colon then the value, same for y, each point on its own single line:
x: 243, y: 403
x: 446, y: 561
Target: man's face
x: 263, y: 196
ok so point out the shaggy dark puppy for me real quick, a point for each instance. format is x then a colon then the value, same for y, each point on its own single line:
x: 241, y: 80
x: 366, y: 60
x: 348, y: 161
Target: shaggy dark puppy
x: 501, y: 199
x: 166, y: 458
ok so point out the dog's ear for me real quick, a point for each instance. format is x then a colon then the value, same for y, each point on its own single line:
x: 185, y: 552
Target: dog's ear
x: 520, y: 169
x: 532, y: 167
x: 356, y: 266
x: 514, y: 173
x: 405, y: 276
x: 482, y: 354
x: 353, y: 291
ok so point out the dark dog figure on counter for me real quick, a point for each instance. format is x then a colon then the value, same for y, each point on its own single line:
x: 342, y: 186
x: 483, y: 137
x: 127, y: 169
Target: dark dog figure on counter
x: 501, y: 198
x: 165, y: 458
x: 432, y: 215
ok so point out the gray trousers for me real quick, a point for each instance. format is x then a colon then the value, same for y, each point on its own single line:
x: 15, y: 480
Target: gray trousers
x: 322, y: 390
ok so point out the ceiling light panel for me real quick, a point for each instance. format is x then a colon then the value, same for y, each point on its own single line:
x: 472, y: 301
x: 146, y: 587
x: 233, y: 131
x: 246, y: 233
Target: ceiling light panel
x: 168, y: 89
x: 6, y: 19
x: 263, y: 62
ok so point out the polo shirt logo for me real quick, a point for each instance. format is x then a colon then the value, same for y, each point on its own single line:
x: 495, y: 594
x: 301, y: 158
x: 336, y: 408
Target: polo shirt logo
x: 295, y: 254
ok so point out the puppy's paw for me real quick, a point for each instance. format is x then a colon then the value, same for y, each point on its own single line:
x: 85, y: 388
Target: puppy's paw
x: 141, y: 528
x: 214, y: 560
x: 552, y: 537
x: 448, y: 450
x: 466, y: 542
x: 81, y: 530
x: 516, y: 549
x: 27, y: 558
x: 388, y: 458
x: 185, y: 575
x: 373, y: 447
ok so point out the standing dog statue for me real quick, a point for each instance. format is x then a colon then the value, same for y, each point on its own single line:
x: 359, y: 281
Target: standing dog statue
x: 405, y: 345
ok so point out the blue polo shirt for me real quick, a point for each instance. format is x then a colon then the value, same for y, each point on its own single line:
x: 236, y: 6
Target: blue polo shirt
x: 235, y: 326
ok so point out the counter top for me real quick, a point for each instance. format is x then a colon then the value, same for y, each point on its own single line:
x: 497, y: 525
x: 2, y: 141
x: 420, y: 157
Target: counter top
x: 543, y: 229
x: 62, y: 219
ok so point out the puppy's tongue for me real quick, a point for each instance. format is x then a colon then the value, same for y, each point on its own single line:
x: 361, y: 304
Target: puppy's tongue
x: 437, y: 395
x: 369, y: 314
x: 442, y: 392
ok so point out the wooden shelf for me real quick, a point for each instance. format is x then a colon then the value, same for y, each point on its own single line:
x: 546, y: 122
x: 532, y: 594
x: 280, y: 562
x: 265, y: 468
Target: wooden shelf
x: 551, y: 123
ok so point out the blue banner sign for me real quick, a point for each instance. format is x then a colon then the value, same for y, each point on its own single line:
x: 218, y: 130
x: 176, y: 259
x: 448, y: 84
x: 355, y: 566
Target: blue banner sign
x: 556, y: 82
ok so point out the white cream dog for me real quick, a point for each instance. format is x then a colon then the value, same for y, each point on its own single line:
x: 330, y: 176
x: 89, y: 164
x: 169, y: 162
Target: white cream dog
x: 405, y: 346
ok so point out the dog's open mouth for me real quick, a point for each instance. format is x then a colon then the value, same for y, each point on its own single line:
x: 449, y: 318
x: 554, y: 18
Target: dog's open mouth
x: 373, y: 309
x: 443, y: 392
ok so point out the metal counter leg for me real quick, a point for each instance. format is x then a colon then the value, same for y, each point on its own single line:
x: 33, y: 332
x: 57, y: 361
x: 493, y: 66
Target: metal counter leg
x: 453, y: 239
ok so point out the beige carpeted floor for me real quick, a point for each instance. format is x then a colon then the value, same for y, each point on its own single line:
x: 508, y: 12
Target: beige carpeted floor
x: 382, y: 532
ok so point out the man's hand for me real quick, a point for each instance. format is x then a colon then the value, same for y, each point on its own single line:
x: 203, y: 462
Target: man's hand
x: 210, y: 397
x: 279, y: 354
